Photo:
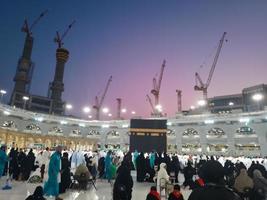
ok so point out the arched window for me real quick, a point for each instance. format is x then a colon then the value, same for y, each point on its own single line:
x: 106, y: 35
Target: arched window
x: 217, y: 147
x: 9, y: 124
x: 33, y: 127
x: 245, y: 130
x: 191, y: 146
x: 93, y: 132
x: 216, y: 132
x: 56, y: 129
x: 76, y: 132
x: 190, y: 132
x: 113, y: 133
x: 249, y: 147
x: 170, y: 132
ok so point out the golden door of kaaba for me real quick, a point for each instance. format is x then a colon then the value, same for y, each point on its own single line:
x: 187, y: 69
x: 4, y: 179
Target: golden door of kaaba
x: 147, y: 135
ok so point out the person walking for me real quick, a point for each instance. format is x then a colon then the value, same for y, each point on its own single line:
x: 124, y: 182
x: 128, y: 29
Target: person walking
x: 3, y: 159
x: 123, y: 185
x: 108, y: 162
x: 51, y: 187
x: 65, y: 175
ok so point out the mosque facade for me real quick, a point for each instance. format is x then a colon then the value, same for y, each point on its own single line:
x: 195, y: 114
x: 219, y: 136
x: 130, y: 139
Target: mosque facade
x: 232, y: 134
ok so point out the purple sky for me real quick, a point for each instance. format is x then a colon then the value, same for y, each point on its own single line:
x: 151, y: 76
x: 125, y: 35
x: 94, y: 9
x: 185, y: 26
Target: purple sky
x: 130, y: 39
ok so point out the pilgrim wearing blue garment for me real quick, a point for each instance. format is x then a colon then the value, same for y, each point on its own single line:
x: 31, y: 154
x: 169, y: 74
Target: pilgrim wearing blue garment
x: 3, y: 160
x: 108, y: 161
x: 51, y: 187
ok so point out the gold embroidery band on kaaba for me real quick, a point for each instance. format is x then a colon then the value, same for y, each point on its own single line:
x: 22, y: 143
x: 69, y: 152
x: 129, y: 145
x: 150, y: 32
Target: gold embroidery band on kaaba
x: 150, y: 132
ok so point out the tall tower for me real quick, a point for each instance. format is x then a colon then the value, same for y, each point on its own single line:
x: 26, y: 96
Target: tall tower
x: 25, y: 66
x: 57, y: 86
x: 118, y: 117
x: 179, y: 101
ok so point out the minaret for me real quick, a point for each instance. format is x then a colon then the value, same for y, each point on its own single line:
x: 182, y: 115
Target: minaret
x: 25, y: 65
x: 57, y: 86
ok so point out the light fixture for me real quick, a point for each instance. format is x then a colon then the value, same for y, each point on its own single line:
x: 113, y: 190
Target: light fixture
x: 109, y: 114
x: 169, y: 123
x: 125, y: 126
x: 124, y: 110
x: 244, y: 120
x: 257, y: 97
x: 6, y: 112
x: 105, y: 126
x: 2, y: 92
x: 231, y: 103
x: 202, y: 102
x: 86, y: 109
x: 209, y: 121
x: 158, y: 107
x: 63, y: 122
x: 133, y: 112
x: 25, y: 98
x: 82, y: 125
x: 68, y: 106
x: 39, y: 119
x: 192, y: 107
x: 105, y: 110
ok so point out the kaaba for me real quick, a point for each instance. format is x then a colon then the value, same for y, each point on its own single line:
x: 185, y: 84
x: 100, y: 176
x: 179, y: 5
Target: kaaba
x: 148, y: 134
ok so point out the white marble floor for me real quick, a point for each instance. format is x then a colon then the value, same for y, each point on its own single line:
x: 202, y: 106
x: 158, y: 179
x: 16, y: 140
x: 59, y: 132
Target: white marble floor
x: 20, y: 190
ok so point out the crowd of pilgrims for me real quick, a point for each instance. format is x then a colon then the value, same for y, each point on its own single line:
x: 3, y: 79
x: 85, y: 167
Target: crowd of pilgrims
x: 208, y: 177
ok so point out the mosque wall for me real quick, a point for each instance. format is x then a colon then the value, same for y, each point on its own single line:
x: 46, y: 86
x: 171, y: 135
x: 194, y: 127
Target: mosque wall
x: 233, y: 134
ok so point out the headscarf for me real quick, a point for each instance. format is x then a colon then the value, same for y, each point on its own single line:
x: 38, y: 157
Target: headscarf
x: 38, y: 192
x: 243, y: 181
x: 163, y: 176
x: 259, y: 181
x: 212, y: 172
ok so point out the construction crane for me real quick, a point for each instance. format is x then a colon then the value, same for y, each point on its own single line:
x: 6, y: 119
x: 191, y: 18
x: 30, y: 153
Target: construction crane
x: 200, y: 86
x: 151, y: 104
x: 25, y: 65
x: 27, y: 29
x: 98, y: 104
x: 179, y: 100
x: 156, y: 84
x: 59, y: 38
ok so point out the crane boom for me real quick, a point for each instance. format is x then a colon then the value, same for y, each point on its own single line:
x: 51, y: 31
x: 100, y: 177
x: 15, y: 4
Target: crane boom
x: 198, y: 79
x: 215, y: 60
x: 105, y: 92
x: 59, y: 39
x: 67, y: 30
x: 150, y: 102
x: 199, y: 83
x: 28, y: 29
x: 98, y: 104
x: 38, y: 19
x: 161, y: 74
x: 156, y: 84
